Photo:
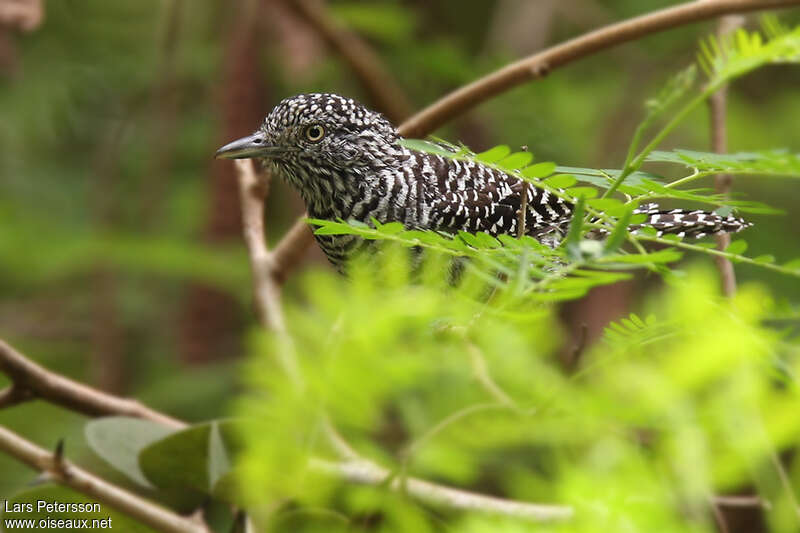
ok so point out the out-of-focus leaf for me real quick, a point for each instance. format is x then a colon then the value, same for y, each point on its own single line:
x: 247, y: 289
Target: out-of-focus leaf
x: 737, y: 247
x: 194, y: 458
x: 576, y: 225
x: 617, y: 236
x: 119, y: 439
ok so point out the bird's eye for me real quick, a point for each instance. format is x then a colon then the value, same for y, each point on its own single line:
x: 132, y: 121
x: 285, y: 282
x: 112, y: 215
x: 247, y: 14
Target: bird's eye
x: 315, y: 133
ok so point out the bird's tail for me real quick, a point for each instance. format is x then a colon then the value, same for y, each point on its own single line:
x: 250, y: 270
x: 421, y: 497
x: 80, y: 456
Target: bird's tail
x: 686, y: 223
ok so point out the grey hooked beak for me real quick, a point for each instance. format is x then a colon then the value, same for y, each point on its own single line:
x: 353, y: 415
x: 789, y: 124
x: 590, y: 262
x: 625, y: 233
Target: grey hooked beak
x: 251, y: 146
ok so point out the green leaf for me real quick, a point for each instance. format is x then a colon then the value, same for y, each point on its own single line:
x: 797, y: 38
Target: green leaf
x: 218, y: 461
x: 794, y: 264
x: 737, y: 247
x: 561, y: 181
x: 119, y: 439
x: 766, y: 258
x: 572, y: 241
x: 582, y: 192
x: 516, y: 160
x: 667, y: 255
x: 392, y: 228
x: 194, y: 458
x: 776, y: 162
x: 619, y: 232
x: 539, y: 170
x: 420, y: 145
x: 328, y: 227
x: 647, y: 231
x: 493, y: 154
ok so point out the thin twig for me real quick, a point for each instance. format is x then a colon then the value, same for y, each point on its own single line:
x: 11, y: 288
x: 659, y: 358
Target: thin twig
x: 13, y: 395
x: 288, y: 253
x: 718, y: 104
x: 537, y: 66
x: 367, y: 473
x: 481, y: 372
x: 253, y: 189
x: 40, y: 382
x: 381, y: 87
x: 65, y: 473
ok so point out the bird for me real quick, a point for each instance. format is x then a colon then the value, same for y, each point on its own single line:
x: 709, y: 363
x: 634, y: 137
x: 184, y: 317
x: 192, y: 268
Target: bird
x: 348, y: 163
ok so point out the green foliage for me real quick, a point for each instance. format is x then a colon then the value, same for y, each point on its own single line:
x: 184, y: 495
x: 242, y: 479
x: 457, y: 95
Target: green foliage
x: 119, y: 440
x: 462, y: 384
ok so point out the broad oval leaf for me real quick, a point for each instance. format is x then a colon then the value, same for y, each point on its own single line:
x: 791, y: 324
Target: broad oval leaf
x: 119, y: 439
x: 195, y: 458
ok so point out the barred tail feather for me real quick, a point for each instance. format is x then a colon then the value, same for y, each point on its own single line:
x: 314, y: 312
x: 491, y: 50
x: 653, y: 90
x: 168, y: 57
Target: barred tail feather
x: 686, y: 223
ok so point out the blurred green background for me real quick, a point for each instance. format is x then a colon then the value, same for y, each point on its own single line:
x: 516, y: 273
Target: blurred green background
x: 120, y: 258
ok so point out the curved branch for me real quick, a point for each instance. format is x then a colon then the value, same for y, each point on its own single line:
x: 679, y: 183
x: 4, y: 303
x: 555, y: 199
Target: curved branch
x: 541, y: 63
x: 253, y: 188
x: 32, y: 380
x: 367, y: 473
x: 65, y: 473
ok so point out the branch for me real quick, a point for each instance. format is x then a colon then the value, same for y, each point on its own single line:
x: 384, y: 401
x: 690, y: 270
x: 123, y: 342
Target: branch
x: 290, y: 250
x: 253, y: 190
x: 718, y: 104
x: 367, y: 473
x: 537, y: 66
x: 382, y: 89
x: 32, y: 380
x: 63, y: 472
x: 542, y: 63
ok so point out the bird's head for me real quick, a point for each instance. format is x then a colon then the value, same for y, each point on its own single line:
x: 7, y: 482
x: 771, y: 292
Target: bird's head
x: 316, y: 140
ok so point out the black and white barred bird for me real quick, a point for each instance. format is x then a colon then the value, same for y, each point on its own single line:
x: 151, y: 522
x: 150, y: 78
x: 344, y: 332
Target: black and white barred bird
x: 347, y: 163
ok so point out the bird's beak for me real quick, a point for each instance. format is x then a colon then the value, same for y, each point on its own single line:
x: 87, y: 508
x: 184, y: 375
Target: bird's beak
x: 251, y: 146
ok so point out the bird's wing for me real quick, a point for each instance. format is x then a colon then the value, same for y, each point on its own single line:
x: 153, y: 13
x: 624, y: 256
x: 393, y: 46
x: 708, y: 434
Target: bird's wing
x: 464, y: 195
